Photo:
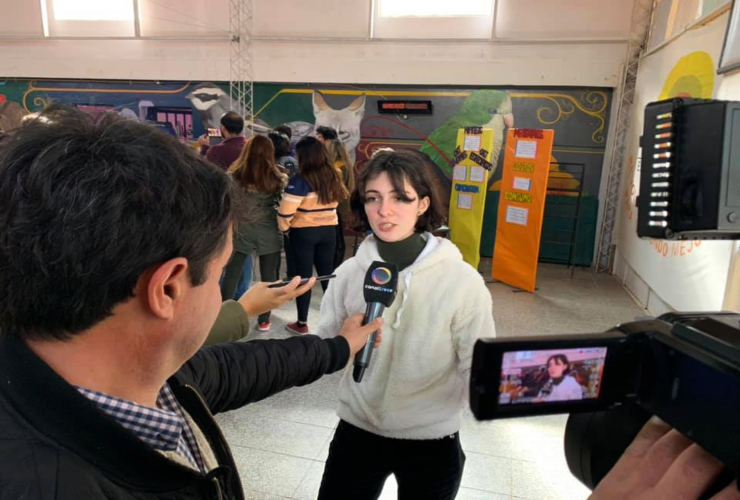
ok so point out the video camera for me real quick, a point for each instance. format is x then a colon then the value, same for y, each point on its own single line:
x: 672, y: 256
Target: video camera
x: 682, y: 367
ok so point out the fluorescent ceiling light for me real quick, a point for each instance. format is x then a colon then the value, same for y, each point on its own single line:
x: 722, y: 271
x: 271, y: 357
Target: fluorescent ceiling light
x: 93, y: 10
x: 435, y: 8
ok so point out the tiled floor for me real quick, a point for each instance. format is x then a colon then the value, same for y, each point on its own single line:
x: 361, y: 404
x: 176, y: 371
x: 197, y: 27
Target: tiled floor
x: 280, y: 444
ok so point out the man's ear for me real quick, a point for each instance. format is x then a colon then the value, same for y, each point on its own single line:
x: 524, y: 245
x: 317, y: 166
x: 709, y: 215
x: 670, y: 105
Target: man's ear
x: 166, y: 285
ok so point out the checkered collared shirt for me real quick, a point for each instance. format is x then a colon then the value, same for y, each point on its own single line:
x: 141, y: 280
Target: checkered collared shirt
x: 163, y: 428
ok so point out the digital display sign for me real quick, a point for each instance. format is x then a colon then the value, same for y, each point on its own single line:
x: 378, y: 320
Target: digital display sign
x: 405, y: 107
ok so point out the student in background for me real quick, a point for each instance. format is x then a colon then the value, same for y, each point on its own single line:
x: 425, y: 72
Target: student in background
x: 283, y: 156
x: 285, y: 129
x: 257, y: 174
x: 308, y: 213
x: 326, y: 134
x: 339, y: 156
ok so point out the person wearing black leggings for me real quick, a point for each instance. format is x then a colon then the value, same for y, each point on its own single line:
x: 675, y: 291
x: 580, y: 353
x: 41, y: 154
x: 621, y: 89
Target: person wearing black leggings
x: 311, y: 247
x: 308, y: 215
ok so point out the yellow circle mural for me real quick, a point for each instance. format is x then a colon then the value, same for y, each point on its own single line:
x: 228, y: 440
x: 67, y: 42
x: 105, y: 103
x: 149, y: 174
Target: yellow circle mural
x: 692, y: 76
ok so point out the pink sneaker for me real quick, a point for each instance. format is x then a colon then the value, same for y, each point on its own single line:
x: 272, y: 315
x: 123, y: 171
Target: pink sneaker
x: 264, y: 327
x: 297, y: 328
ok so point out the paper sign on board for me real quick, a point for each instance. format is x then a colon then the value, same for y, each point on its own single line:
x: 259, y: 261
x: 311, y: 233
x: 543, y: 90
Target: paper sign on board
x: 477, y: 174
x: 472, y: 142
x: 464, y: 201
x: 460, y: 173
x: 522, y: 183
x: 516, y: 215
x: 526, y: 149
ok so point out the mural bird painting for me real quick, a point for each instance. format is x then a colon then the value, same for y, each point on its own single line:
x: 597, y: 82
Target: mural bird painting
x: 211, y: 102
x: 482, y: 108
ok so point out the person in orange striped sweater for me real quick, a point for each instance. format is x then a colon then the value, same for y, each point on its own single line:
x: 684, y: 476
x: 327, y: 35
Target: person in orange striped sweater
x: 308, y: 215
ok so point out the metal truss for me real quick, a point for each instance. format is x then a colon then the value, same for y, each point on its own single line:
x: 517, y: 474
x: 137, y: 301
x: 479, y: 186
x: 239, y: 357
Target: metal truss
x: 241, y: 85
x: 641, y: 17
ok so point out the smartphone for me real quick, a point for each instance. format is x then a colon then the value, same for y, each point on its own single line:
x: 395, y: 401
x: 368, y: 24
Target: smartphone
x: 214, y: 136
x: 303, y: 281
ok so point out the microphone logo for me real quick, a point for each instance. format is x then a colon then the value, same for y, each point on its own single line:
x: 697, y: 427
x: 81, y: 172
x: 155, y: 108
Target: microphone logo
x: 381, y: 275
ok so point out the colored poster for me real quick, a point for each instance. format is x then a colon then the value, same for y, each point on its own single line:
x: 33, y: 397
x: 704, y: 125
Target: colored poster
x: 468, y: 198
x: 521, y: 207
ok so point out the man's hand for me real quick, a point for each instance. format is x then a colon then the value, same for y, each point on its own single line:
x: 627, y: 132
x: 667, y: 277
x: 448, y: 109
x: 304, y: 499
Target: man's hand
x: 203, y: 140
x: 357, y: 335
x: 662, y: 463
x: 260, y: 299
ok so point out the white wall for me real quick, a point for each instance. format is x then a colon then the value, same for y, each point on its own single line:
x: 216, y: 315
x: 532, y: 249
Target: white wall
x: 573, y: 19
x: 572, y: 42
x: 666, y: 275
x: 462, y: 63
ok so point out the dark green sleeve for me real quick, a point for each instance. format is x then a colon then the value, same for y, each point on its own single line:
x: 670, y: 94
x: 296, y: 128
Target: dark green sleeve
x: 231, y: 324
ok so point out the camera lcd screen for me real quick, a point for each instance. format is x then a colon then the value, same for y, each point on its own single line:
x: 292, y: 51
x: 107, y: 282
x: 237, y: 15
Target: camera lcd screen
x: 549, y: 376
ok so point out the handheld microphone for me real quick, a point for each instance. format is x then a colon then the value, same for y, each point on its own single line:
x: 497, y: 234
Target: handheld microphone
x: 379, y: 290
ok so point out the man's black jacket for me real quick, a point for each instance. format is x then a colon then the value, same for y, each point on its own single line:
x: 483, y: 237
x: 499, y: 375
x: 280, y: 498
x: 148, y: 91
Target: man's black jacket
x: 56, y: 444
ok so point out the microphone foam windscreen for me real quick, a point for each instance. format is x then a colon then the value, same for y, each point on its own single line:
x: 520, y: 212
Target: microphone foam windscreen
x: 381, y: 283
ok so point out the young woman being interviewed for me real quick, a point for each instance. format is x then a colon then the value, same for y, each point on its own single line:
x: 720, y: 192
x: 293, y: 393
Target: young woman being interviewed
x: 404, y: 417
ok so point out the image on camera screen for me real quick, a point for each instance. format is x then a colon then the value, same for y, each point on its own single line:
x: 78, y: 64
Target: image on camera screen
x: 553, y: 375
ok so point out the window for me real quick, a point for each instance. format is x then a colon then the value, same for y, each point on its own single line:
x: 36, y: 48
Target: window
x: 435, y: 8
x: 88, y: 18
x: 93, y: 10
x: 429, y: 19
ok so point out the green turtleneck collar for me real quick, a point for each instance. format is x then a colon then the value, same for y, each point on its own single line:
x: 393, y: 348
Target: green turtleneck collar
x: 402, y: 253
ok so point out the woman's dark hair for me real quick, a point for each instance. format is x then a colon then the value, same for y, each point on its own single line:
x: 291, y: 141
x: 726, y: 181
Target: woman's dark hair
x: 326, y: 133
x: 87, y: 206
x: 284, y: 129
x: 281, y: 144
x: 563, y: 361
x: 256, y: 169
x: 314, y: 166
x: 400, y: 166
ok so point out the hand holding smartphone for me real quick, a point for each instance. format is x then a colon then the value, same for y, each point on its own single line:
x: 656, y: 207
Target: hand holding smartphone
x: 303, y: 281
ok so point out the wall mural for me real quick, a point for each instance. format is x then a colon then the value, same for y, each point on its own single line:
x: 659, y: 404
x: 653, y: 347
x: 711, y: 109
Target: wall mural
x: 186, y: 109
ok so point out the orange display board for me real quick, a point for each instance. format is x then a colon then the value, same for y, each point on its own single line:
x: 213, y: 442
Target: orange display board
x: 521, y: 207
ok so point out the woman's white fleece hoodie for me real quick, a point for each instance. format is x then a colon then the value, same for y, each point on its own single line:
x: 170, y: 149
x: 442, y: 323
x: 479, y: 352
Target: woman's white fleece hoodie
x: 417, y: 382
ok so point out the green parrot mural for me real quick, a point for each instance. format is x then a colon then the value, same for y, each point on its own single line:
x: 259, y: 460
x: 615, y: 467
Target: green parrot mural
x: 482, y: 108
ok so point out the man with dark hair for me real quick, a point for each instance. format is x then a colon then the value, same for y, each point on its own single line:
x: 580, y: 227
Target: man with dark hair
x: 113, y: 236
x: 326, y: 134
x: 225, y: 153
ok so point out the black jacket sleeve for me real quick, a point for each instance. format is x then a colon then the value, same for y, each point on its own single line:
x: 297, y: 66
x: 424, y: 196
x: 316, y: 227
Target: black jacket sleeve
x: 233, y: 374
